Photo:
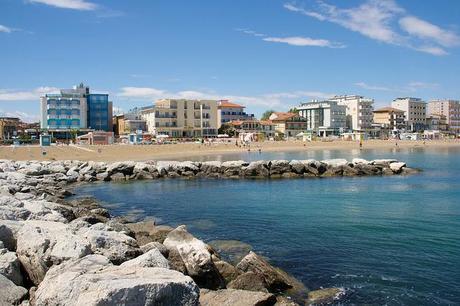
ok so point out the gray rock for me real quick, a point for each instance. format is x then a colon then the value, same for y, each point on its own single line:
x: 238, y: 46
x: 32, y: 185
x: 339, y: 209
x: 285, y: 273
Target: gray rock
x: 196, y: 256
x: 397, y: 167
x: 226, y: 270
x: 233, y: 297
x: 297, y: 166
x: 10, y: 294
x: 151, y: 259
x: 275, y: 280
x: 155, y: 245
x: 324, y: 296
x: 249, y: 281
x: 10, y: 267
x: 233, y: 168
x: 256, y: 169
x: 8, y: 233
x: 93, y: 281
x: 116, y: 246
x: 278, y: 167
x: 42, y: 244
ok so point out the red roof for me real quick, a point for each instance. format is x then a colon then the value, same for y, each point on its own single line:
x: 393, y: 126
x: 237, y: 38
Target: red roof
x: 228, y: 104
x: 280, y: 116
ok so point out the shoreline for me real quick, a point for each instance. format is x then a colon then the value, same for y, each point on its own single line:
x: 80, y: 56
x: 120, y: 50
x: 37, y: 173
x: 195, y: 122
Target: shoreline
x: 46, y: 238
x: 180, y: 151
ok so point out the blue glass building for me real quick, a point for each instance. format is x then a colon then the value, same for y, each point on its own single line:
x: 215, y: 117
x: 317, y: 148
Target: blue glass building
x: 99, y: 112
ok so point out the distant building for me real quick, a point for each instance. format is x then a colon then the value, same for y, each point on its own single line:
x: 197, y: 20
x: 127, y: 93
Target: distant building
x: 389, y: 118
x: 359, y: 111
x: 448, y: 108
x: 229, y: 111
x: 9, y: 127
x: 184, y: 118
x: 437, y: 122
x: 414, y: 112
x: 268, y: 128
x: 324, y: 117
x: 288, y: 124
x: 76, y: 109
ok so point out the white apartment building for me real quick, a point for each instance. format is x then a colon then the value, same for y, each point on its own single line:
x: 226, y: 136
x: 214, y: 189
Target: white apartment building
x: 359, y: 111
x: 414, y: 112
x: 324, y: 117
x: 63, y: 112
x: 183, y: 118
x: 448, y: 108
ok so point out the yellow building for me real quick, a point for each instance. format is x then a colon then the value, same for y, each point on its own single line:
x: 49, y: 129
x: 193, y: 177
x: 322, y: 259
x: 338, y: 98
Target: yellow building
x: 389, y: 118
x: 183, y: 118
x: 8, y: 127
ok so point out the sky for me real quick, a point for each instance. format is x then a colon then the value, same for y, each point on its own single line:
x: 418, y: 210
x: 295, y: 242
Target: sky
x: 265, y: 54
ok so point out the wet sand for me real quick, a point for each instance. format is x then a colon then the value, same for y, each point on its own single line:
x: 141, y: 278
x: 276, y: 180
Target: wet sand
x: 190, y: 151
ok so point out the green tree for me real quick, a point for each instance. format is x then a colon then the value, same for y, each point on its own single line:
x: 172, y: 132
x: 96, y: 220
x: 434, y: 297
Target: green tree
x: 227, y: 129
x: 267, y: 114
x: 294, y: 110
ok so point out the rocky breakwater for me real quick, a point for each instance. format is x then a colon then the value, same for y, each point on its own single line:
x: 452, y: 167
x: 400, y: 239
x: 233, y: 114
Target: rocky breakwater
x: 59, y: 252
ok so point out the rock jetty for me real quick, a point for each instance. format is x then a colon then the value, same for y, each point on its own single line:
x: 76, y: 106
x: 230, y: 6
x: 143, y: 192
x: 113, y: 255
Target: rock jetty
x: 55, y: 251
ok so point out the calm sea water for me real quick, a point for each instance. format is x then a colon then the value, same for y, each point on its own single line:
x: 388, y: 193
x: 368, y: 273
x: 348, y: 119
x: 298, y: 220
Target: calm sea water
x: 387, y: 240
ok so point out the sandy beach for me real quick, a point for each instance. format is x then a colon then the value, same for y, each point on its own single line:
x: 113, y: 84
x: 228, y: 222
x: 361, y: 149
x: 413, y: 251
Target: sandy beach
x: 190, y: 150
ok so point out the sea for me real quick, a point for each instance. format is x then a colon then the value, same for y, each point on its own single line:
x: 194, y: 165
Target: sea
x: 387, y: 240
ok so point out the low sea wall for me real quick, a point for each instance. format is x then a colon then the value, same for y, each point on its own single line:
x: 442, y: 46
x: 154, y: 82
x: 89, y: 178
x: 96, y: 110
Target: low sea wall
x: 55, y: 251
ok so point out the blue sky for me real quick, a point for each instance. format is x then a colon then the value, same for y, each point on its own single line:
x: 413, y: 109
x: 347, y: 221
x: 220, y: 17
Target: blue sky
x: 266, y: 54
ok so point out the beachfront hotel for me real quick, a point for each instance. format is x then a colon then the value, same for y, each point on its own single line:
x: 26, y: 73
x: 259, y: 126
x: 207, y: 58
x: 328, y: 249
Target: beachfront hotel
x: 324, y: 117
x: 359, y: 111
x: 414, y: 112
x: 76, y: 109
x: 229, y: 111
x: 9, y: 127
x: 288, y: 124
x: 183, y: 118
x: 450, y: 109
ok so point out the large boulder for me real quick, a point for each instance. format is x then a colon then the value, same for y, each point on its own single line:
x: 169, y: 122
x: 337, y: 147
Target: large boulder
x: 42, y: 244
x: 8, y: 233
x: 10, y: 266
x: 233, y: 297
x: 196, y: 256
x: 256, y: 169
x: 279, y: 167
x: 116, y: 246
x: 233, y: 168
x: 324, y: 296
x: 10, y: 294
x: 397, y: 167
x: 249, y: 281
x: 275, y: 280
x: 92, y: 280
x: 151, y: 259
x: 210, y: 168
x: 155, y: 245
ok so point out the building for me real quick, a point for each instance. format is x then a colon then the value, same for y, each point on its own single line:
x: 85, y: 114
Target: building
x: 184, y: 118
x: 76, y: 109
x: 268, y: 128
x: 437, y: 122
x: 229, y: 111
x: 389, y: 118
x: 414, y: 112
x: 448, y: 108
x: 9, y: 127
x: 324, y: 117
x: 288, y: 124
x: 96, y: 138
x: 359, y: 111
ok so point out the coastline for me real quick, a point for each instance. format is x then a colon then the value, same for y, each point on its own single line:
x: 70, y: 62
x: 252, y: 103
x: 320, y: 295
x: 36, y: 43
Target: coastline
x: 46, y: 238
x: 180, y: 151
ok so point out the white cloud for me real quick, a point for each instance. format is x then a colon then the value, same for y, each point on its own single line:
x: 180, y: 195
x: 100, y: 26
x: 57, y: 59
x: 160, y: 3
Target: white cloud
x: 372, y: 87
x: 302, y: 11
x: 81, y: 5
x: 304, y: 41
x: 383, y: 20
x: 413, y: 86
x: 5, y: 29
x: 272, y: 100
x: 295, y: 40
x: 26, y: 117
x: 32, y: 95
x: 425, y: 30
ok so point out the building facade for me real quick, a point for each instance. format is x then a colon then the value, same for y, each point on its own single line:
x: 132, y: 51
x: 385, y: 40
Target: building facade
x: 184, y: 118
x: 389, y: 118
x: 288, y: 124
x: 324, y: 117
x: 9, y: 127
x: 414, y: 112
x: 229, y: 111
x: 437, y: 122
x: 448, y: 108
x: 359, y: 111
x: 75, y: 109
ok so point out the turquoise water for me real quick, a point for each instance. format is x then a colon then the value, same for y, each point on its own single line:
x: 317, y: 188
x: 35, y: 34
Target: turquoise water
x: 387, y: 240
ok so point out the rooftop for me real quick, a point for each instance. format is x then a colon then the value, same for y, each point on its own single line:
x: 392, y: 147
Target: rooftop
x: 388, y: 109
x: 228, y: 104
